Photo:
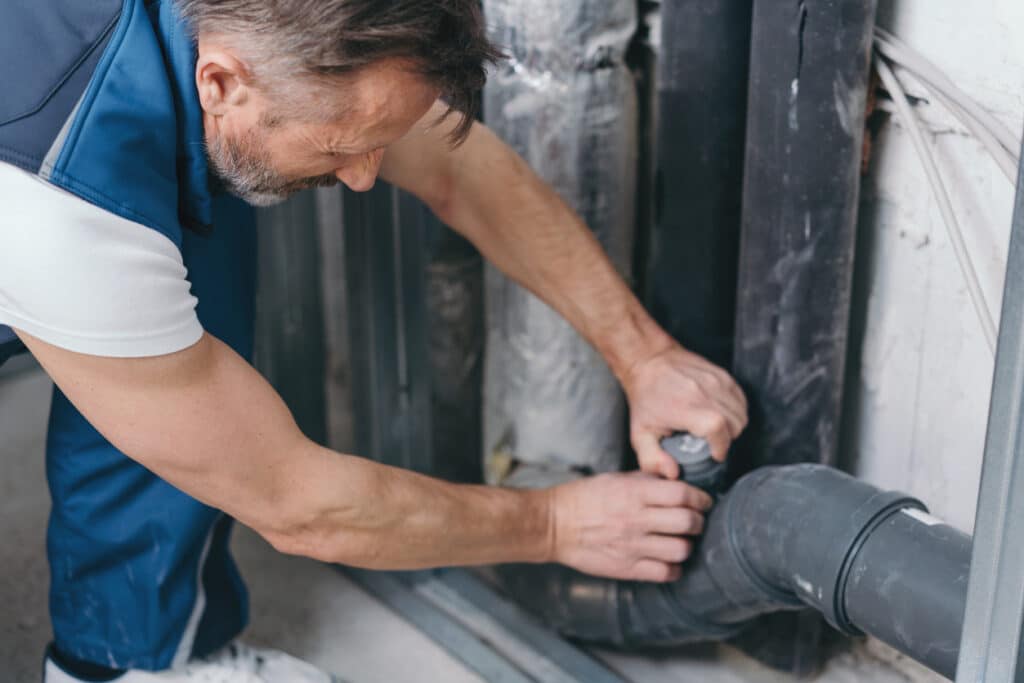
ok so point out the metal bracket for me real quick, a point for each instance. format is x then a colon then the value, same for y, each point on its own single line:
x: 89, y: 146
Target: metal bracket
x: 488, y: 633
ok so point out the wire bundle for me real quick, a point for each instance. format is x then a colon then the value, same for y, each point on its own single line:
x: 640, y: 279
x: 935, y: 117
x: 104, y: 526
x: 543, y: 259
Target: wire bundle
x: 997, y: 139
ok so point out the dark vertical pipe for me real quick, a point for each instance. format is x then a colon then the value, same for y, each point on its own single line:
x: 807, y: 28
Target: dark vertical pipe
x: 701, y: 83
x: 808, y: 84
x: 387, y: 329
x: 334, y: 295
x: 289, y: 346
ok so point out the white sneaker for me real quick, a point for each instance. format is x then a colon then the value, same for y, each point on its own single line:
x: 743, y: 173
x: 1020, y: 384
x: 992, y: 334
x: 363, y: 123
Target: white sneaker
x: 236, y: 663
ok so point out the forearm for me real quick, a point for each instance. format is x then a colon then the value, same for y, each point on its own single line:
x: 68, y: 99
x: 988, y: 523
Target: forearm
x: 485, y: 191
x: 528, y: 232
x: 206, y: 422
x: 361, y: 513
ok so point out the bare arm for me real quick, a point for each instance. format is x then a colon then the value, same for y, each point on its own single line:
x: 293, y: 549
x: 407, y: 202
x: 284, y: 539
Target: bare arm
x: 484, y: 190
x: 205, y: 421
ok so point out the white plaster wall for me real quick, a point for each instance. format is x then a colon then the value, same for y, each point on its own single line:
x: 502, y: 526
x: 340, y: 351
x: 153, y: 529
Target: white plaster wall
x: 918, y: 398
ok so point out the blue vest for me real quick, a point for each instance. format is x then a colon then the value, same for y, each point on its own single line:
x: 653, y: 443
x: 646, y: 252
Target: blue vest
x: 99, y: 99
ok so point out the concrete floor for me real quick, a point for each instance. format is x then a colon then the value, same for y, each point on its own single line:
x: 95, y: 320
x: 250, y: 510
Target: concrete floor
x: 298, y: 605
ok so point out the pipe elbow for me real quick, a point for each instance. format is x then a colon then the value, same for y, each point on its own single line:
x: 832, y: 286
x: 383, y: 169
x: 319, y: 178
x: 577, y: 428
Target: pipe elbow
x: 782, y: 538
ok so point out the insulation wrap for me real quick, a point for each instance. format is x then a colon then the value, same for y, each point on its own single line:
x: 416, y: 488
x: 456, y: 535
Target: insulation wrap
x: 566, y: 101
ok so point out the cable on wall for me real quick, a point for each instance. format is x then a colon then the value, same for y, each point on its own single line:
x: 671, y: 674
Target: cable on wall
x: 1000, y: 142
x: 942, y: 197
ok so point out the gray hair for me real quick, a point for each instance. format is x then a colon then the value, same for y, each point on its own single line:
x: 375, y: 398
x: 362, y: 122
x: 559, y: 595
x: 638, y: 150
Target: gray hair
x: 282, y: 40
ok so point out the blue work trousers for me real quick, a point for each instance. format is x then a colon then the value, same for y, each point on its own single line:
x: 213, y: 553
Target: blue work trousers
x: 141, y: 575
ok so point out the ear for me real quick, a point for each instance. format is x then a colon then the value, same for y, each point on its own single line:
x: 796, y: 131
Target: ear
x: 222, y: 79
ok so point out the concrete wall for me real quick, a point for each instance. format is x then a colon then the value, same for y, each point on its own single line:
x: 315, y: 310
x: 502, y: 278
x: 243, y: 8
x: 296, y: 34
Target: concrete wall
x: 920, y: 374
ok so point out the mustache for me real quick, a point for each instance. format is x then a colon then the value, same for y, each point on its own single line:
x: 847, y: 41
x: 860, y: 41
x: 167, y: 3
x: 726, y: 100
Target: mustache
x: 293, y: 186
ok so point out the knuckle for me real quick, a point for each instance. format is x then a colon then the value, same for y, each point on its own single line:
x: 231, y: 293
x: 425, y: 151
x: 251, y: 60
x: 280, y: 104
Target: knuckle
x: 683, y: 550
x: 633, y: 529
x: 678, y: 493
x: 695, y: 522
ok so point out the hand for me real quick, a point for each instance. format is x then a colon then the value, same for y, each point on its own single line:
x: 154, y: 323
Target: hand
x: 627, y: 526
x: 676, y: 390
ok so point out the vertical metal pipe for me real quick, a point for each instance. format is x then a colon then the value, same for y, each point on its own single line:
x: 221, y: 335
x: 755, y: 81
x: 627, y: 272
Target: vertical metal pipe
x: 805, y: 123
x: 403, y: 302
x: 455, y: 322
x: 387, y: 329
x: 334, y: 295
x: 990, y: 648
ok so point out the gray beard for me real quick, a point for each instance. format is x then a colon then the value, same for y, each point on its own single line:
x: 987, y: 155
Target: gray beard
x: 243, y: 169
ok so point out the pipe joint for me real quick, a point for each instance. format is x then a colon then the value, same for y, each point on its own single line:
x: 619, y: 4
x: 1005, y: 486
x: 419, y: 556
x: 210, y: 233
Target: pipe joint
x: 869, y: 517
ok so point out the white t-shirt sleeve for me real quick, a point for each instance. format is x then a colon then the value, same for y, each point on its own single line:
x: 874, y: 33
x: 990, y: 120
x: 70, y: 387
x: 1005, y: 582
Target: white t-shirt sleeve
x: 81, y: 278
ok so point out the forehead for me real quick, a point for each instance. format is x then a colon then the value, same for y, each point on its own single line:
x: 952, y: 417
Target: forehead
x: 379, y: 101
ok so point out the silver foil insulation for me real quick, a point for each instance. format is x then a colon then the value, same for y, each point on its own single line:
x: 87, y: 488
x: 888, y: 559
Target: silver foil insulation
x: 566, y: 101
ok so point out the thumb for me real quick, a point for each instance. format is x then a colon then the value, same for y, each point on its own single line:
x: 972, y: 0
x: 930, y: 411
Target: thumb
x: 653, y: 459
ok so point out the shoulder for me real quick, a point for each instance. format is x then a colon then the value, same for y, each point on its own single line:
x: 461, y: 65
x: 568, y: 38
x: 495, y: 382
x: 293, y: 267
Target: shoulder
x: 83, y: 278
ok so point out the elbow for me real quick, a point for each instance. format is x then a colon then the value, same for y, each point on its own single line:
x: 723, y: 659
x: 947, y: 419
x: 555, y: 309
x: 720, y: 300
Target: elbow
x: 295, y: 531
x: 337, y: 549
x: 304, y: 542
x: 306, y: 514
x: 320, y: 536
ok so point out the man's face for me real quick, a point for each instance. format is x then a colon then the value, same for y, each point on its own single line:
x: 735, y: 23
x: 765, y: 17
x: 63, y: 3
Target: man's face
x: 263, y: 151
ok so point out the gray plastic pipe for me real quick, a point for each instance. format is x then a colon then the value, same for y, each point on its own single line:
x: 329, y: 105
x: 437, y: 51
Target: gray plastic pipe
x: 783, y: 538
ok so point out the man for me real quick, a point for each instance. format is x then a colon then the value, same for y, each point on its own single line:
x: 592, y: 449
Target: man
x: 130, y: 280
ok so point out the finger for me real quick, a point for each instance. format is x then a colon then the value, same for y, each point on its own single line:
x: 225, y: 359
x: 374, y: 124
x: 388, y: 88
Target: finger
x: 657, y: 572
x: 713, y: 427
x: 720, y: 392
x: 671, y: 549
x: 741, y: 397
x: 652, y: 457
x: 732, y: 388
x: 674, y: 521
x: 675, y: 494
x: 727, y: 391
x: 734, y: 418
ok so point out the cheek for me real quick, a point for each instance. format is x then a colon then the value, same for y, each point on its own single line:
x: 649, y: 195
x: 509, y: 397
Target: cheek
x: 291, y: 157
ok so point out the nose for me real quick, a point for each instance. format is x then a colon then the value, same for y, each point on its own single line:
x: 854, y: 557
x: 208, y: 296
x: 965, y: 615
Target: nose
x: 360, y: 174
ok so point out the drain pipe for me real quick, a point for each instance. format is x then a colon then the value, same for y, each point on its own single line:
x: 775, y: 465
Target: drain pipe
x: 783, y: 538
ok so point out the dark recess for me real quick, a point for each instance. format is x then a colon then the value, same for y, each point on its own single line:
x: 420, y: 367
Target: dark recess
x: 692, y: 251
